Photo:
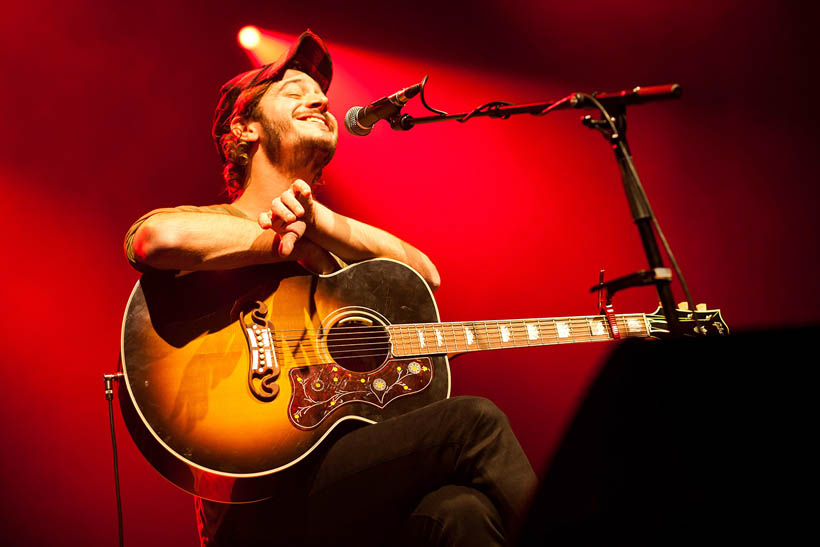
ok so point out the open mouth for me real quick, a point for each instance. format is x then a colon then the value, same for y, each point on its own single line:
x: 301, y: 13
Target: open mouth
x: 314, y: 118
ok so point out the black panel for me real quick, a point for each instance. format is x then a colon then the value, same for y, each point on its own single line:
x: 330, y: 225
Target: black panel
x: 688, y: 440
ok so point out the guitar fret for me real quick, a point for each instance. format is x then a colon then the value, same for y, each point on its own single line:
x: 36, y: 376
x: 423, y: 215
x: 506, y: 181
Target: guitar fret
x: 441, y: 341
x: 403, y: 338
x: 532, y: 332
x: 518, y: 329
x: 498, y: 333
x: 597, y: 328
x: 395, y: 336
x: 433, y: 342
x: 503, y: 333
x: 579, y: 331
x: 407, y: 341
x: 414, y: 339
x: 469, y: 336
x: 487, y: 336
x: 550, y: 332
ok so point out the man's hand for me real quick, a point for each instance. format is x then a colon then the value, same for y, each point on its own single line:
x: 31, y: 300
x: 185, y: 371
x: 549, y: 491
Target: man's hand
x: 289, y: 216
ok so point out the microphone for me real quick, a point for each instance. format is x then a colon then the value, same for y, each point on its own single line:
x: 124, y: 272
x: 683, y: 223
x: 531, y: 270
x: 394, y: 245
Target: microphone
x: 359, y: 120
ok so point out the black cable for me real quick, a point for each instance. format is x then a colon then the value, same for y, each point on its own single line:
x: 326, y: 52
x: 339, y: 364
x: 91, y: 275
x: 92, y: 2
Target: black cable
x: 424, y: 101
x: 109, y: 395
x: 487, y: 108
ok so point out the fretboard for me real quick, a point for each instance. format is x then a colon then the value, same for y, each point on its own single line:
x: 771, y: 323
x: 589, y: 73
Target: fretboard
x: 460, y: 337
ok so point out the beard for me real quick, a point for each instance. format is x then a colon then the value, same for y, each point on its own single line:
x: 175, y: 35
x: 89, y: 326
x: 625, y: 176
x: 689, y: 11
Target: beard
x: 308, y: 152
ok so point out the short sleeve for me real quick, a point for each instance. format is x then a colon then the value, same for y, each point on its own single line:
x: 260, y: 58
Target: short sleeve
x: 128, y: 244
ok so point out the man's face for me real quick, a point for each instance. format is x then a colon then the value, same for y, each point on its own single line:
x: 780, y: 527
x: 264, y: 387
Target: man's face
x: 298, y: 130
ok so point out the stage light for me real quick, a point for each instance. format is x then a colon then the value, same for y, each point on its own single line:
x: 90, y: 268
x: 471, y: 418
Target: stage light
x: 249, y: 37
x: 263, y: 46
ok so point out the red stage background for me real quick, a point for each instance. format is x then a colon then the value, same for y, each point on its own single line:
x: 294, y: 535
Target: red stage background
x: 106, y: 112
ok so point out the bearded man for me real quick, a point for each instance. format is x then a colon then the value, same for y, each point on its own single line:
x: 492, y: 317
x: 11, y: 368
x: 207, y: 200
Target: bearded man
x: 449, y: 473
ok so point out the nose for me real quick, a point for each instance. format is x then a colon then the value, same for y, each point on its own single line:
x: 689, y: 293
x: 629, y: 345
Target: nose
x: 317, y: 100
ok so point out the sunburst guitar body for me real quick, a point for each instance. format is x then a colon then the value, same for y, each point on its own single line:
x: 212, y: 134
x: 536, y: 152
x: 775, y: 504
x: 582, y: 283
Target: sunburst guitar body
x: 233, y: 376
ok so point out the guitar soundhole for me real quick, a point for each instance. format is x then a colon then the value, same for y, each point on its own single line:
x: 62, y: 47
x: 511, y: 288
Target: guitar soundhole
x: 357, y: 345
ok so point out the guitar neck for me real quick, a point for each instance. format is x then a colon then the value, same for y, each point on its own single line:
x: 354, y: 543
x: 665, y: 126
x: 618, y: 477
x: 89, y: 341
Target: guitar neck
x: 468, y: 336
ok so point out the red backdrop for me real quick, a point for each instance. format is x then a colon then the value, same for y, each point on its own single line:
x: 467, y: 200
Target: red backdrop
x: 106, y: 113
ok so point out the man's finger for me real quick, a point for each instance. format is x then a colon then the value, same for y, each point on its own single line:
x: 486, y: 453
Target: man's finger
x: 313, y: 257
x: 301, y: 188
x: 291, y: 202
x: 280, y: 212
x: 264, y: 220
x: 286, y: 243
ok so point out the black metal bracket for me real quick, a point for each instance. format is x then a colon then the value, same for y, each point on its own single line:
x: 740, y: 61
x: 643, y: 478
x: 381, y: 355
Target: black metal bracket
x: 637, y: 279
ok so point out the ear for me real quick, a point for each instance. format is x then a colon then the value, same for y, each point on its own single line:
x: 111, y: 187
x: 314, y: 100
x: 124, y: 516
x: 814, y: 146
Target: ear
x: 246, y: 131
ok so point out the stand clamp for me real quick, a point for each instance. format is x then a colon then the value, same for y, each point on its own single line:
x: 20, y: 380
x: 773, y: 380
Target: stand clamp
x: 637, y: 279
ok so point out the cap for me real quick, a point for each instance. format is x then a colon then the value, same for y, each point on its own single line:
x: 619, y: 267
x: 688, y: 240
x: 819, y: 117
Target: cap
x: 308, y: 54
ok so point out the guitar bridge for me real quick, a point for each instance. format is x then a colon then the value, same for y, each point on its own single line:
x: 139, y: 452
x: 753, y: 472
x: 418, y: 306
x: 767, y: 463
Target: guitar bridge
x: 263, y: 368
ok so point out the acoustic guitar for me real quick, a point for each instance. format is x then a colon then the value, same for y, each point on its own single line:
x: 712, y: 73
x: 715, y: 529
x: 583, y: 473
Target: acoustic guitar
x: 231, y: 377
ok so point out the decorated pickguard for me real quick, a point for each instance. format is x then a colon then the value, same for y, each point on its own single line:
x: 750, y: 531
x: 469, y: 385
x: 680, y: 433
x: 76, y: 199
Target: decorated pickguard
x: 319, y: 390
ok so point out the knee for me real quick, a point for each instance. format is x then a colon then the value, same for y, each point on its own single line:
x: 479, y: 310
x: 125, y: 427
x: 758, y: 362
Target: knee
x: 480, y: 410
x: 461, y: 504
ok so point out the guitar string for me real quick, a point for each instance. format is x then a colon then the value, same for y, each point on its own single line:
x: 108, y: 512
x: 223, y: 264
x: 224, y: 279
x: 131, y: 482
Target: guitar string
x: 381, y: 334
x: 483, y: 341
x: 310, y: 355
x: 474, y: 325
x: 490, y: 321
x: 401, y: 346
x: 411, y: 330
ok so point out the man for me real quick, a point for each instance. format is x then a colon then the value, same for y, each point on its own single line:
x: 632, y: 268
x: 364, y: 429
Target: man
x: 450, y: 473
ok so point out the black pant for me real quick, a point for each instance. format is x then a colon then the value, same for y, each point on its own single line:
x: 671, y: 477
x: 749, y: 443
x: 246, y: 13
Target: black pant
x: 451, y: 473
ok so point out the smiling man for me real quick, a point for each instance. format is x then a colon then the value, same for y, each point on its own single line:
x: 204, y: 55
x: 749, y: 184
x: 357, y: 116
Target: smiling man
x: 449, y: 473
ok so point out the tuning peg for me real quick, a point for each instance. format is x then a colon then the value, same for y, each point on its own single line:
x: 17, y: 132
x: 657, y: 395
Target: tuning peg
x: 701, y: 307
x: 683, y: 306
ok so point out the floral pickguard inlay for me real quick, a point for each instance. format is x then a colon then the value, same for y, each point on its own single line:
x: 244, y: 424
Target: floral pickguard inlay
x: 318, y: 390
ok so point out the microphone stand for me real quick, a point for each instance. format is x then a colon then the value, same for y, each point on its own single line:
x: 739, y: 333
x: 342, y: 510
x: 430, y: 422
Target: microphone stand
x: 612, y: 124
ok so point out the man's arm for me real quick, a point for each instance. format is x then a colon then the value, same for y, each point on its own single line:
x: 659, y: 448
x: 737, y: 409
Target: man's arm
x: 214, y: 241
x: 295, y: 214
x: 352, y: 241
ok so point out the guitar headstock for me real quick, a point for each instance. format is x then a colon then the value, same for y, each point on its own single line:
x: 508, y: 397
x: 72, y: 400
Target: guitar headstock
x: 709, y: 322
